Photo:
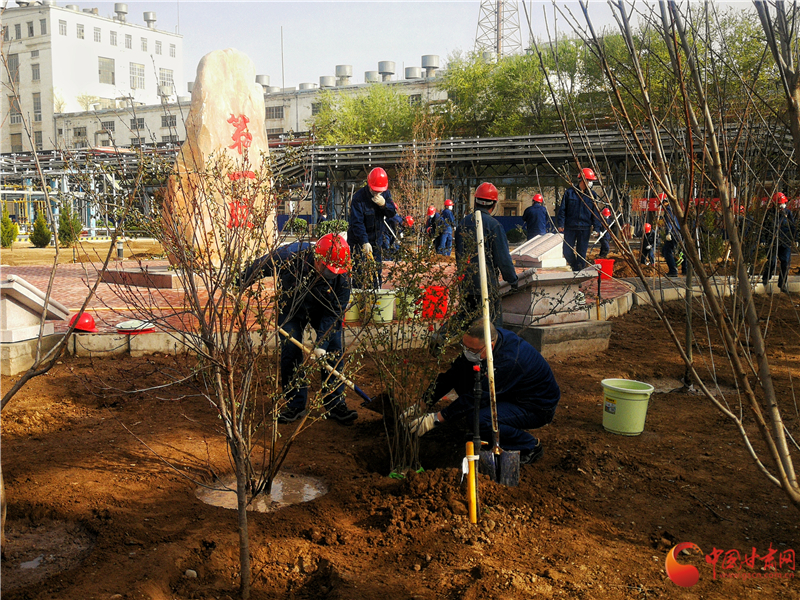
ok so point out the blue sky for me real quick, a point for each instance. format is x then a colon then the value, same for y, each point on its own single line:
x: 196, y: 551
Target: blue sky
x: 317, y: 36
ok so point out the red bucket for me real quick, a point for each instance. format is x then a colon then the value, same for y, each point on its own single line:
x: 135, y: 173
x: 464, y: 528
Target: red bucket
x: 434, y: 302
x: 606, y: 267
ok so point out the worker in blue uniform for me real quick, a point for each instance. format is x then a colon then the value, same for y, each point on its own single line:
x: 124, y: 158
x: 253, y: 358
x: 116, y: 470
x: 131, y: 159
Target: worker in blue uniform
x: 778, y: 235
x: 370, y: 205
x: 498, y: 259
x: 535, y: 217
x: 314, y: 288
x: 672, y: 238
x: 575, y: 217
x: 445, y: 246
x: 526, y: 391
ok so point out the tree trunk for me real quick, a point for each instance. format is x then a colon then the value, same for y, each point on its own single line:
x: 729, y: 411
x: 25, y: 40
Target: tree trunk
x: 244, y: 540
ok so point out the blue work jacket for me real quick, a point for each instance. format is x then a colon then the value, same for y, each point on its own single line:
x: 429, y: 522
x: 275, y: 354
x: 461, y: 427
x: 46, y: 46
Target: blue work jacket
x: 498, y: 257
x: 521, y: 376
x: 578, y: 211
x: 365, y: 223
x: 535, y: 219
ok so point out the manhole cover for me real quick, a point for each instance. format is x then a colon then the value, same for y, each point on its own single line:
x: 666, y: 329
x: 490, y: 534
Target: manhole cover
x: 287, y: 489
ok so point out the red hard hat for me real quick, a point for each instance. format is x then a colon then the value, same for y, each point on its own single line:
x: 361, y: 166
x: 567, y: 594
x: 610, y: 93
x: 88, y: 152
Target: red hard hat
x: 647, y: 227
x: 486, y: 194
x: 431, y: 210
x: 606, y: 212
x: 589, y: 175
x: 378, y: 180
x: 409, y: 220
x: 662, y: 197
x: 779, y: 198
x: 84, y: 323
x: 448, y: 203
x: 334, y: 252
x: 538, y: 198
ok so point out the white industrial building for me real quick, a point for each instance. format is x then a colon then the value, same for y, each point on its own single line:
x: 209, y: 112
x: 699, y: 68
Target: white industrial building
x: 67, y: 59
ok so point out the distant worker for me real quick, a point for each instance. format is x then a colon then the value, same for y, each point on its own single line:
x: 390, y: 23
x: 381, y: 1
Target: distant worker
x: 445, y: 247
x: 407, y: 226
x: 498, y: 258
x: 605, y: 235
x: 323, y: 214
x: 391, y: 235
x: 778, y: 235
x: 434, y: 226
x: 535, y: 217
x: 648, y: 256
x: 366, y: 226
x: 526, y: 390
x: 315, y: 290
x: 576, y: 216
x: 672, y: 238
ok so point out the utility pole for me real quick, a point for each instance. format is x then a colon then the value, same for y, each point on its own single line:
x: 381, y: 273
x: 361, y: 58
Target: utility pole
x: 498, y: 28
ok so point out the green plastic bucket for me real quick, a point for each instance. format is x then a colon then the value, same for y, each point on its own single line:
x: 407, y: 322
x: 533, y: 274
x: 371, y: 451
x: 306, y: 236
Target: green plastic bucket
x: 625, y: 405
x: 374, y: 305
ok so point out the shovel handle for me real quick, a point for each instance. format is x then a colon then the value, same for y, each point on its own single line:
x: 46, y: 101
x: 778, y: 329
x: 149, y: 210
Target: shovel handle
x: 330, y: 369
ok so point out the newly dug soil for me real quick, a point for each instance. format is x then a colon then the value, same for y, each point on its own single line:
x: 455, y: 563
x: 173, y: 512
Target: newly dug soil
x: 594, y: 519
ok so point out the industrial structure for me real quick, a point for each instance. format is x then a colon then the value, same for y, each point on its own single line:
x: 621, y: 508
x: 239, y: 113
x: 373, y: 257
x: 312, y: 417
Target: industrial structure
x: 498, y: 28
x: 65, y: 60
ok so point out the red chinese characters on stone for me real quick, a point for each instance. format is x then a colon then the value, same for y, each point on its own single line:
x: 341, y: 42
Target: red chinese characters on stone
x: 241, y: 137
x: 237, y: 175
x: 239, y: 215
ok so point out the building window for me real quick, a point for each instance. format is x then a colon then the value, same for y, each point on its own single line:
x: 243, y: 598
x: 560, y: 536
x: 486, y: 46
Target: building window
x: 509, y: 212
x: 511, y: 193
x: 13, y: 67
x: 169, y: 138
x: 34, y: 54
x: 137, y: 141
x: 415, y: 99
x: 169, y: 120
x: 37, y: 140
x: 137, y: 123
x: 62, y: 27
x: 35, y: 74
x: 274, y: 112
x: 172, y: 50
x: 105, y: 67
x: 98, y: 37
x: 16, y: 142
x: 6, y: 34
x: 144, y: 44
x: 43, y: 26
x: 16, y: 114
x: 158, y: 46
x: 80, y: 31
x: 315, y: 108
x: 18, y: 31
x: 79, y: 132
x: 30, y: 28
x: 165, y: 77
x: 108, y: 126
x: 128, y: 41
x: 137, y: 76
x: 274, y: 131
x: 112, y: 37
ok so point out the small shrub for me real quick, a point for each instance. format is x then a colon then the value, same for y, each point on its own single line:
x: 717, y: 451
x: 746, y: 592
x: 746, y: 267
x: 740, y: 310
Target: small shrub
x: 8, y: 230
x: 336, y: 226
x: 41, y: 234
x: 516, y: 235
x: 297, y: 226
x: 69, y: 227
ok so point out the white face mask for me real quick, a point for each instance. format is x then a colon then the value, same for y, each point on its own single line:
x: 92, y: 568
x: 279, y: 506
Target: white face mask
x: 782, y: 206
x: 590, y: 184
x: 471, y: 355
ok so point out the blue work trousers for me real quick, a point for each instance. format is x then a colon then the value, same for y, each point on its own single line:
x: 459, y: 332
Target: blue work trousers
x: 576, y: 244
x: 512, y: 421
x: 784, y: 255
x: 293, y: 380
x: 445, y: 246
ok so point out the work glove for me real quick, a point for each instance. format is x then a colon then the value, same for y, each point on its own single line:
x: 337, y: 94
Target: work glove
x: 647, y: 247
x: 410, y: 414
x: 367, y: 248
x: 379, y: 200
x: 319, y: 353
x: 422, y: 425
x: 668, y: 237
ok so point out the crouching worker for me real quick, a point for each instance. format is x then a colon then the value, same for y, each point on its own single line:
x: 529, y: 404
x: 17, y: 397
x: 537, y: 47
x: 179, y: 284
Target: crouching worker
x: 526, y: 390
x: 314, y: 288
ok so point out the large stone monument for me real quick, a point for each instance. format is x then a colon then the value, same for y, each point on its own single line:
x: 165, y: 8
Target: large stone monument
x: 219, y: 192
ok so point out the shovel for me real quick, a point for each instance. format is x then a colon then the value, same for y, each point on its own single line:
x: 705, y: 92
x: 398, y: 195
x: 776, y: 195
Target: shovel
x: 502, y: 466
x: 331, y: 370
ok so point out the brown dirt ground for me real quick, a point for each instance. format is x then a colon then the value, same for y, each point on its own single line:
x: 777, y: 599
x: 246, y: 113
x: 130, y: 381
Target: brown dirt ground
x: 24, y: 254
x: 593, y: 520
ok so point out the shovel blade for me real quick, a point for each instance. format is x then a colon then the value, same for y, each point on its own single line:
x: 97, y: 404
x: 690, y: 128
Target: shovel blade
x: 502, y: 468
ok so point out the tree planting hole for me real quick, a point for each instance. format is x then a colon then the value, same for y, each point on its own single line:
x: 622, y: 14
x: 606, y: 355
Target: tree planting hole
x: 287, y: 489
x: 37, y: 551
